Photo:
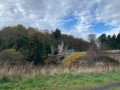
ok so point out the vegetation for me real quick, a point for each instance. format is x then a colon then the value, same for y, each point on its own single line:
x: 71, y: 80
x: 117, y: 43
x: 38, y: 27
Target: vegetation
x: 110, y: 42
x: 50, y: 61
x: 35, y: 45
x: 25, y: 61
x: 74, y: 59
x: 12, y: 56
x: 30, y: 77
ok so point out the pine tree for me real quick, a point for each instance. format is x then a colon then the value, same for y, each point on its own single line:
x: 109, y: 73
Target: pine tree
x: 109, y: 42
x: 118, y: 41
x: 57, y: 33
x: 35, y: 51
x: 103, y: 40
x: 114, y: 42
x: 47, y: 47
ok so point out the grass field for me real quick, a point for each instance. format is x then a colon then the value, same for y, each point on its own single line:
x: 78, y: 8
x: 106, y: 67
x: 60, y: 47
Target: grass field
x: 57, y: 78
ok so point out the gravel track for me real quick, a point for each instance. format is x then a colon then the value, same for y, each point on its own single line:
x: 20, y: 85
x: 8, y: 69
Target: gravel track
x: 105, y: 87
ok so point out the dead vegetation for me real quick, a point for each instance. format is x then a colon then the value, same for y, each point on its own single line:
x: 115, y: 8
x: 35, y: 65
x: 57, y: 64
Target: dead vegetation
x: 22, y: 71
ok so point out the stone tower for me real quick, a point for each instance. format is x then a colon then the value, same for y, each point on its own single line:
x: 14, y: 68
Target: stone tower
x: 60, y: 48
x: 52, y: 50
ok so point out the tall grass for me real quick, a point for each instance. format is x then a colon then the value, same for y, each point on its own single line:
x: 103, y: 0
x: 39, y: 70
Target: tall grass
x: 52, y: 77
x: 15, y: 72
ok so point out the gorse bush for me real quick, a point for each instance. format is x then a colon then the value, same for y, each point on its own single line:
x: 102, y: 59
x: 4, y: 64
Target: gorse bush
x: 73, y: 59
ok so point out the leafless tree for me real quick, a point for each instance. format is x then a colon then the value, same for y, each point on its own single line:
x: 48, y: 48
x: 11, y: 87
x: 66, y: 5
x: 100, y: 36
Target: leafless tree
x: 93, y: 50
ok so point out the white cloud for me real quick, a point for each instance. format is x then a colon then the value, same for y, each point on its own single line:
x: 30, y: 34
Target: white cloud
x: 80, y: 30
x: 108, y: 12
x: 110, y: 32
x: 49, y: 14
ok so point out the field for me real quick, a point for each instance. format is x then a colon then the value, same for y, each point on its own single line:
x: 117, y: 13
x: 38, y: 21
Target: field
x: 29, y: 77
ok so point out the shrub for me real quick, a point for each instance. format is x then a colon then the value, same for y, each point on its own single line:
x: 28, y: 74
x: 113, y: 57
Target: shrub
x: 49, y: 61
x: 12, y: 56
x: 73, y: 59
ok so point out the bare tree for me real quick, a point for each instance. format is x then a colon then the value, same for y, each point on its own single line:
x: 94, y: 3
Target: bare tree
x: 93, y: 50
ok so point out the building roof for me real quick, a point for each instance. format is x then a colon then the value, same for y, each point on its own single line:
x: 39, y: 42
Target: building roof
x: 70, y: 51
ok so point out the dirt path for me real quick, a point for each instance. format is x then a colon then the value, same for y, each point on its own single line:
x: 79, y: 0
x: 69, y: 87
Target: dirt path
x: 105, y: 87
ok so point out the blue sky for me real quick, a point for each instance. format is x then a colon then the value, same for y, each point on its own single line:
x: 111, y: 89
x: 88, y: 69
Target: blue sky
x: 97, y: 27
x: 101, y: 27
x: 70, y: 21
x: 74, y: 17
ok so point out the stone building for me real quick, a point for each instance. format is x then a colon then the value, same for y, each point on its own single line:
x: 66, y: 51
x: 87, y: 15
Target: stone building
x: 62, y: 53
x: 61, y: 48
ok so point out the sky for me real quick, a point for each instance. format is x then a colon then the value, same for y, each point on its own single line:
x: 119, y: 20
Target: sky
x: 74, y: 17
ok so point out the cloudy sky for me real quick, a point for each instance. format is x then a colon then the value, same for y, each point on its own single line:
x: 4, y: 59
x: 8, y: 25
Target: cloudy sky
x: 75, y: 17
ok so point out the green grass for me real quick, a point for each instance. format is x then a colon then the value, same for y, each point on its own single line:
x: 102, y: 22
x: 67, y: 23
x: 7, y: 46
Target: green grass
x: 61, y: 82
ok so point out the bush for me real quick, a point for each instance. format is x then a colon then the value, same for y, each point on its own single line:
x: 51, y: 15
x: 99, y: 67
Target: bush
x: 12, y: 56
x: 49, y: 61
x: 73, y: 59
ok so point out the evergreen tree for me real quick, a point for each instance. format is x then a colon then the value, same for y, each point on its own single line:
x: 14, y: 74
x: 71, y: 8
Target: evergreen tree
x: 118, y: 41
x: 118, y: 38
x: 103, y: 41
x: 102, y: 38
x: 22, y: 42
x: 109, y: 41
x: 35, y: 51
x: 10, y: 43
x: 3, y: 45
x: 0, y: 45
x: 47, y: 47
x: 114, y: 42
x: 57, y: 33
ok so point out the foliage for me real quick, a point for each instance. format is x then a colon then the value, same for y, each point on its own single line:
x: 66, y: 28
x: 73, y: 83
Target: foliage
x: 73, y: 59
x: 35, y: 52
x: 22, y: 42
x: 47, y: 47
x: 49, y: 61
x: 57, y: 33
x: 12, y: 56
x: 34, y: 44
x: 78, y: 44
x: 109, y: 42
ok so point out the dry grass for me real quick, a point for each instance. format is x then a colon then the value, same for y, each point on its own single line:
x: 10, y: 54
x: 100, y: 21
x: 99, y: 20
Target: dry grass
x: 30, y: 77
x: 23, y: 71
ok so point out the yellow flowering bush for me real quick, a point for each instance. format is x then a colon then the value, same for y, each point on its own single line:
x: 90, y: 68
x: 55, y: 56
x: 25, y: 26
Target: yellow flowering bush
x: 73, y: 59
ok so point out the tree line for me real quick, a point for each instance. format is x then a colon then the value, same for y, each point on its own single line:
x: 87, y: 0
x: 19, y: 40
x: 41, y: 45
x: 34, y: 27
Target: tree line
x: 34, y: 44
x: 110, y: 42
